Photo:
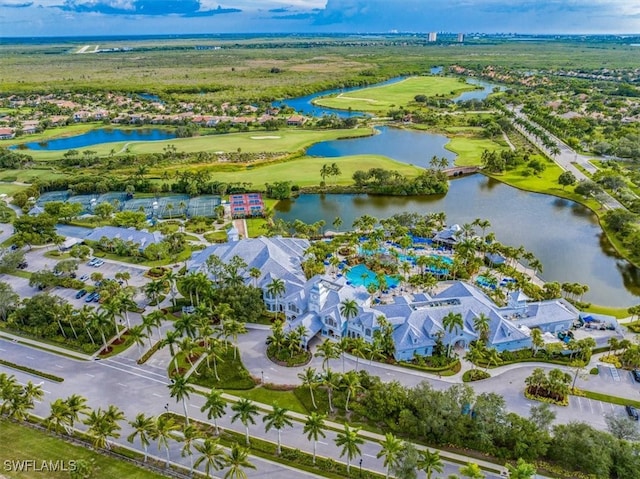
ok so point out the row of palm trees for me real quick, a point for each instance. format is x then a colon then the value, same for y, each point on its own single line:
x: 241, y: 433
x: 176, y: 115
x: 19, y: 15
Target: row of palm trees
x: 104, y: 425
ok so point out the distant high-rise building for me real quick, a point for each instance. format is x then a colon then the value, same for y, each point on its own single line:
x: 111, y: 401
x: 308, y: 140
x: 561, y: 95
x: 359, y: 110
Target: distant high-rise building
x: 460, y: 37
x: 433, y: 36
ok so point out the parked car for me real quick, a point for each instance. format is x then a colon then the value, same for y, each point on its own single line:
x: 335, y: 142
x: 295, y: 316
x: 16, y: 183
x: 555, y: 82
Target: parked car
x: 90, y: 297
x: 84, y: 277
x: 96, y: 298
x: 22, y: 265
x: 81, y: 293
x: 632, y: 412
x: 98, y: 263
x: 92, y: 261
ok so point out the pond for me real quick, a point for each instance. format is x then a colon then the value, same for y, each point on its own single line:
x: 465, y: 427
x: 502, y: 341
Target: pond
x: 564, y: 235
x: 408, y: 146
x: 102, y: 135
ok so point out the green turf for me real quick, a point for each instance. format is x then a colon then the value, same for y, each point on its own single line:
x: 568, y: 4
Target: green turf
x: 24, y: 443
x: 306, y: 171
x: 285, y: 399
x: 469, y: 150
x: 286, y: 140
x: 9, y: 189
x: 255, y: 227
x: 384, y: 98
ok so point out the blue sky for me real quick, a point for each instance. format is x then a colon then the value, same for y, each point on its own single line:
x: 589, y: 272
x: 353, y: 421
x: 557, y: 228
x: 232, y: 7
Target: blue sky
x: 117, y: 17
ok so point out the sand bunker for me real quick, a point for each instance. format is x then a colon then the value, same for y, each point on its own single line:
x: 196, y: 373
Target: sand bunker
x: 265, y: 137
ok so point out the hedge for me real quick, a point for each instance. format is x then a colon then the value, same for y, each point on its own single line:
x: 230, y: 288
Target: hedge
x: 29, y: 370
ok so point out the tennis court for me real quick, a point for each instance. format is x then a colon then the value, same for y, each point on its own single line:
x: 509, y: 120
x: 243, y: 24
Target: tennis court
x: 87, y: 202
x: 203, y: 206
x: 114, y: 197
x: 172, y: 206
x: 50, y: 196
x: 145, y: 205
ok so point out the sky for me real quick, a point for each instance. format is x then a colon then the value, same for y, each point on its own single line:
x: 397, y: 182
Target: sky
x: 129, y: 17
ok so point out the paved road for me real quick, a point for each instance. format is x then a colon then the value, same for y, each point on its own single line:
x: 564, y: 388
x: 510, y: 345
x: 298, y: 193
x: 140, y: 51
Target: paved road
x: 566, y: 158
x: 118, y: 380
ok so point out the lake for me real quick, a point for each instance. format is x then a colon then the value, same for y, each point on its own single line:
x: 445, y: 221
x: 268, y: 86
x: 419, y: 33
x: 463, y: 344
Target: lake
x: 102, y: 135
x: 564, y: 235
x: 408, y: 146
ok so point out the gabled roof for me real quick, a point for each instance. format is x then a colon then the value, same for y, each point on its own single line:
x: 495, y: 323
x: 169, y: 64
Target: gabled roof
x: 142, y: 238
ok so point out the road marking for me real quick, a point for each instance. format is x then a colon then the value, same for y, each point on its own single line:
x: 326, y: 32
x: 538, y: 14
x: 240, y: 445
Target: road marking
x: 323, y: 443
x: 1, y: 349
x: 134, y: 374
x: 136, y: 368
x: 369, y: 455
x: 123, y: 385
x: 90, y: 375
x: 29, y: 357
x: 157, y: 395
x: 58, y: 366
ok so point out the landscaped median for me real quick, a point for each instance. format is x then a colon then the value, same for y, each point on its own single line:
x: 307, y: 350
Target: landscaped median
x: 28, y: 370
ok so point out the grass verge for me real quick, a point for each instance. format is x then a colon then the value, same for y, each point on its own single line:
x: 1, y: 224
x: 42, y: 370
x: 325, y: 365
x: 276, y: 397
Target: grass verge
x: 32, y: 371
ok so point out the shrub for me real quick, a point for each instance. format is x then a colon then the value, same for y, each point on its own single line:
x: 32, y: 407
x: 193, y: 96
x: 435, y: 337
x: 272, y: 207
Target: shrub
x: 611, y: 359
x: 475, y: 375
x: 594, y: 371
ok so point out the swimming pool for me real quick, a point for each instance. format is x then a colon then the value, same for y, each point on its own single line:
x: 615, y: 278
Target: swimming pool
x: 360, y: 275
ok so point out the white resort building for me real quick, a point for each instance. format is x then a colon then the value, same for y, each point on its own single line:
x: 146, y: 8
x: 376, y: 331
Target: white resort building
x: 417, y: 319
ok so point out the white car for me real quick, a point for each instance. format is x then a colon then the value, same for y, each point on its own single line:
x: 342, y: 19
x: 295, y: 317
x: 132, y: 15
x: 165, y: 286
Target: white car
x: 84, y: 277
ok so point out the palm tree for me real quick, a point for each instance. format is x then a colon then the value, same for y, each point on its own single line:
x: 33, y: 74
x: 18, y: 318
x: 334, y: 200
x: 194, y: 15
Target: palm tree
x: 255, y: 274
x: 327, y: 350
x: 59, y: 416
x: 313, y: 428
x: 212, y: 454
x: 103, y: 425
x: 358, y: 349
x: 100, y: 320
x: 430, y: 462
x: 522, y: 470
x: 492, y: 357
x: 245, y: 411
x: 275, y: 289
x: 350, y: 443
x: 278, y: 420
x: 452, y: 322
x: 164, y: 429
x: 154, y: 289
x: 472, y: 471
x: 350, y: 382
x: 137, y: 335
x: 171, y: 339
x: 330, y: 381
x: 215, y: 406
x: 349, y: 309
x: 309, y: 378
x: 237, y: 460
x: 234, y: 328
x: 190, y: 434
x: 180, y: 389
x: 391, y: 449
x: 536, y: 340
x: 481, y: 324
x: 211, y: 353
x: 77, y: 405
x: 143, y: 427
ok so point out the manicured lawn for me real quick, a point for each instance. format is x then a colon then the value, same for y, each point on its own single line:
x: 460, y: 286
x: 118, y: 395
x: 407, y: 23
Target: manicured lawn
x: 8, y: 188
x: 611, y: 311
x: 306, y: 171
x: 29, y: 175
x: 231, y: 371
x: 384, y: 98
x: 287, y: 140
x: 29, y: 444
x: 285, y: 399
x: 255, y: 227
x: 469, y: 150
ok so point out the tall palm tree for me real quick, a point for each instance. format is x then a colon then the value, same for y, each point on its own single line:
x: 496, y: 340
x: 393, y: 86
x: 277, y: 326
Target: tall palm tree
x: 164, y: 429
x: 154, y: 289
x: 153, y: 320
x: 351, y: 382
x: 330, y: 381
x: 358, y: 349
x: 171, y: 339
x: 211, y: 353
x: 327, y: 350
x: 276, y: 288
x: 314, y: 429
x: 245, y: 411
x: 190, y: 435
x: 101, y: 321
x: 215, y: 407
x: 211, y: 454
x: 103, y: 425
x: 349, y: 309
x: 255, y: 274
x: 277, y: 419
x: 430, y: 462
x: 492, y: 357
x: 481, y: 324
x: 77, y: 405
x: 350, y: 443
x: 452, y: 322
x: 137, y: 335
x: 233, y: 328
x: 180, y: 389
x: 143, y: 427
x: 58, y: 417
x: 391, y: 449
x: 237, y: 461
x: 309, y: 378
